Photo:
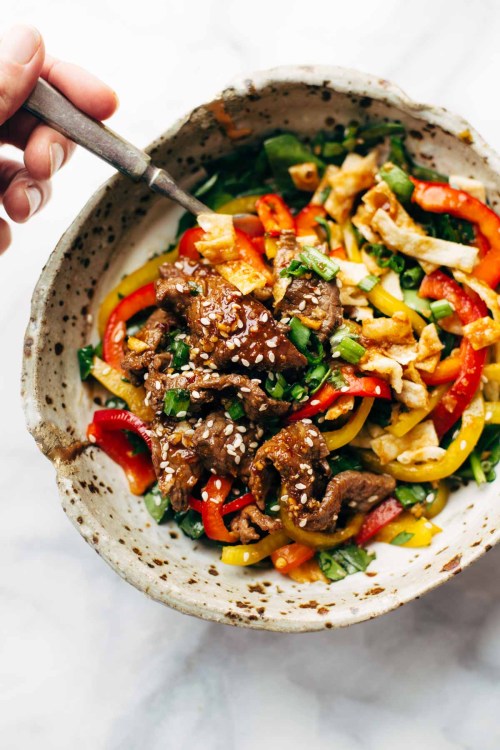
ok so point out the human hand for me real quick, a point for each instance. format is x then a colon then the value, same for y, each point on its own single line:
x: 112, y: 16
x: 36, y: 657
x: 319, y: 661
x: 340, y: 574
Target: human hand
x: 24, y: 189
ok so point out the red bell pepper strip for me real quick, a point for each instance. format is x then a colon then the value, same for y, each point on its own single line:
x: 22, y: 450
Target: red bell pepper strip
x: 305, y: 221
x: 121, y: 419
x: 248, y: 253
x: 116, y: 329
x: 441, y: 198
x: 377, y: 519
x: 215, y: 492
x: 440, y: 286
x: 338, y: 252
x: 290, y: 556
x: 481, y: 242
x: 370, y: 387
x: 138, y: 467
x: 232, y: 507
x: 187, y: 248
x: 274, y: 214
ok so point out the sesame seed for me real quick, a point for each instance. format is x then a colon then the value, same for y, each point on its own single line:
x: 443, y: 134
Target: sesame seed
x: 275, y: 508
x: 212, y: 316
x: 246, y: 556
x: 204, y: 321
x: 245, y: 363
x: 315, y: 402
x: 272, y: 358
x: 258, y: 358
x: 335, y: 354
x: 345, y: 388
x: 205, y: 435
x: 218, y: 484
x: 303, y: 498
x: 204, y: 355
x: 488, y: 415
x: 228, y: 430
x: 302, y: 523
x: 244, y: 388
x: 308, y: 441
x: 272, y: 343
x: 230, y: 345
x: 92, y: 439
x: 302, y: 305
x: 264, y: 317
x: 235, y: 358
x: 378, y: 390
x: 237, y: 459
x: 306, y: 421
x: 263, y: 407
x: 158, y: 385
x: 300, y: 486
x: 237, y: 342
x: 185, y: 367
x: 241, y: 429
x: 106, y: 371
x: 204, y: 495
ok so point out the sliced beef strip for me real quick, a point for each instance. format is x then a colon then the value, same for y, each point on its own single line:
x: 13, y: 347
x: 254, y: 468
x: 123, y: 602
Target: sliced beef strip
x: 154, y: 333
x: 227, y: 329
x: 224, y: 446
x: 205, y: 386
x: 360, y: 490
x: 313, y: 300
x: 177, y: 467
x: 250, y: 524
x: 297, y: 454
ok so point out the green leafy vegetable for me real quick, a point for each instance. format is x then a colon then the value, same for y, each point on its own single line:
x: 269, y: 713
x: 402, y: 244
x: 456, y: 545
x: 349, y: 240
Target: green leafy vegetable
x: 85, y: 359
x: 385, y: 258
x: 180, y: 351
x: 306, y: 341
x: 402, y: 537
x: 235, y: 410
x: 157, y: 505
x: 338, y: 563
x: 283, y: 151
x: 345, y: 460
x: 190, y: 523
x: 316, y: 376
x: 409, y: 494
x: 276, y: 385
x: 398, y: 181
x: 399, y: 155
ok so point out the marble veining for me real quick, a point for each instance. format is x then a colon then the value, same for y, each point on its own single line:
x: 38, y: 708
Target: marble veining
x: 87, y: 661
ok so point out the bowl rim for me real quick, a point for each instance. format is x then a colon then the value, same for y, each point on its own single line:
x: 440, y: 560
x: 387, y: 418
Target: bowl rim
x: 120, y: 558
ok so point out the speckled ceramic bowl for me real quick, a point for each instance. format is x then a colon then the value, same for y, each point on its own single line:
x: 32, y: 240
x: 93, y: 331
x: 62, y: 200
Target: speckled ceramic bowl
x: 123, y: 224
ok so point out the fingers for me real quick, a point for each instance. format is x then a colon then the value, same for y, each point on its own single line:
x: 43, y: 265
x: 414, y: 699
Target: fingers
x: 46, y: 151
x: 21, y: 60
x: 5, y: 236
x: 85, y: 90
x: 23, y: 196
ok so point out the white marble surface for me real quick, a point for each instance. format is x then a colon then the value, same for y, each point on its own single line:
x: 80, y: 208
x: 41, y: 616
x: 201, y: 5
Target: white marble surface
x: 85, y: 660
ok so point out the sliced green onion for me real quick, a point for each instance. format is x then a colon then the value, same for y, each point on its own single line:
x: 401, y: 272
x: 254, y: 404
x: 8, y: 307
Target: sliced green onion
x: 477, y: 469
x: 297, y: 392
x: 398, y: 181
x: 367, y: 284
x: 441, y: 308
x: 299, y: 334
x: 326, y: 226
x: 295, y: 269
x: 156, y: 504
x: 411, y: 278
x: 337, y: 379
x: 176, y: 403
x: 402, y: 537
x: 324, y: 194
x: 409, y: 494
x: 320, y: 263
x: 180, y: 351
x: 235, y: 410
x: 419, y: 304
x: 206, y: 186
x: 316, y: 376
x: 350, y: 350
x: 276, y: 387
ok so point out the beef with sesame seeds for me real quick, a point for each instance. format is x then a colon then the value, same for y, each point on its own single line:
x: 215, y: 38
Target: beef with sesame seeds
x: 251, y: 524
x: 293, y: 462
x: 176, y: 465
x: 154, y: 335
x: 208, y: 387
x: 227, y: 330
x: 224, y: 446
x: 358, y: 490
x: 311, y: 299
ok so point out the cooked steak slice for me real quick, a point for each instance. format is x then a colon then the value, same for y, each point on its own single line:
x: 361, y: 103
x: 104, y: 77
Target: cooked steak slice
x: 177, y: 467
x: 227, y: 329
x: 154, y: 334
x: 360, y: 490
x: 293, y: 459
x: 251, y: 523
x: 313, y: 300
x: 224, y: 446
x: 206, y: 386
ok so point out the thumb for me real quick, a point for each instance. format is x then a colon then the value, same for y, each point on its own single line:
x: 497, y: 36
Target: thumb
x: 21, y: 59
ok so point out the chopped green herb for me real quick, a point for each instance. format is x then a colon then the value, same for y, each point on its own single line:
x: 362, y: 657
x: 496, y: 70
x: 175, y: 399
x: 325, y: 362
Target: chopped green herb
x: 337, y: 379
x: 316, y: 376
x: 384, y: 257
x: 402, y: 537
x: 276, y: 386
x: 321, y: 264
x: 156, y: 504
x: 370, y: 281
x: 411, y: 277
x: 338, y: 563
x: 85, y: 359
x: 345, y: 460
x: 399, y: 155
x: 176, y: 403
x: 235, y: 410
x: 180, y: 351
x: 330, y: 567
x: 190, y: 523
x: 296, y: 269
x: 306, y: 341
x: 398, y: 181
x: 333, y: 150
x: 409, y: 494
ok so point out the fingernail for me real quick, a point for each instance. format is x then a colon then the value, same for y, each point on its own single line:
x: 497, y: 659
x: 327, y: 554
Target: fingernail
x: 56, y: 155
x: 19, y: 44
x: 34, y: 196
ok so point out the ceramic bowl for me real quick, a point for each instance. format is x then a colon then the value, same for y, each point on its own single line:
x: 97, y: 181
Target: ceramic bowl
x: 118, y: 229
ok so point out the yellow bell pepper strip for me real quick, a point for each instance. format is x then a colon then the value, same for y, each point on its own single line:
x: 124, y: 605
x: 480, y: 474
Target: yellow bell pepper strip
x: 308, y: 572
x: 492, y: 372
x: 337, y: 438
x: 244, y: 205
x: 432, y: 509
x: 492, y: 412
x: 406, y: 421
x: 351, y: 245
x: 421, y: 529
x: 248, y: 554
x: 113, y: 381
x: 429, y: 471
x: 143, y: 275
x: 320, y: 539
x: 387, y: 304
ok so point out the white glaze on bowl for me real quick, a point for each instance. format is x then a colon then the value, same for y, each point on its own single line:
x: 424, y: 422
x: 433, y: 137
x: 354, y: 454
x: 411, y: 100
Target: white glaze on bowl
x: 118, y: 229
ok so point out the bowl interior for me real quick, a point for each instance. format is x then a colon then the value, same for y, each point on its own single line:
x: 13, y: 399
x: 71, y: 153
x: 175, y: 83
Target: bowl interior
x: 123, y: 225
